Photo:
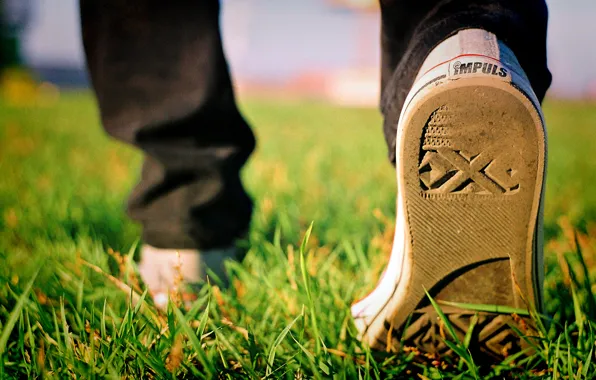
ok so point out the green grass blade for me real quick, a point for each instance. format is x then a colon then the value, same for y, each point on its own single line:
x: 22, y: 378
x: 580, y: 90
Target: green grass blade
x: 557, y: 359
x: 309, y: 355
x: 498, y: 309
x: 246, y: 364
x: 66, y: 330
x: 203, y: 321
x: 588, y: 362
x: 443, y: 318
x: 470, y: 332
x: 464, y: 354
x: 13, y: 317
x: 586, y: 283
x: 311, y: 304
x: 277, y: 342
x: 458, y: 347
x: 196, y: 344
x: 569, y: 362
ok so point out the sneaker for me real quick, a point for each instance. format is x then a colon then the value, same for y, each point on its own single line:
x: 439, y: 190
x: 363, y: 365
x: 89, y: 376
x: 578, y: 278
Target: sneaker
x: 179, y: 273
x: 471, y: 163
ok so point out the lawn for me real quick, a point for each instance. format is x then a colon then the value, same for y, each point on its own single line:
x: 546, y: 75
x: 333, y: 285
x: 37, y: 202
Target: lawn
x: 66, y: 273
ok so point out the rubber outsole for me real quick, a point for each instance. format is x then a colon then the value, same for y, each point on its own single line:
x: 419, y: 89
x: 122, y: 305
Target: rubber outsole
x: 471, y: 160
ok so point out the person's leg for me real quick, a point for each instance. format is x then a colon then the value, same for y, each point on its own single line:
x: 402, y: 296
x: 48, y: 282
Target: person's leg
x: 411, y: 29
x: 462, y: 84
x: 162, y: 83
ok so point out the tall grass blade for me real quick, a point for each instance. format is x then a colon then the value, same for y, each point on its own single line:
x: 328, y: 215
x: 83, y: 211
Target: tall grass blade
x: 13, y: 317
x: 277, y: 342
x: 196, y: 344
x: 305, y: 279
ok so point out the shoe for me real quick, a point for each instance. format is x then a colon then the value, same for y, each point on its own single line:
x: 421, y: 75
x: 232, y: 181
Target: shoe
x: 471, y: 160
x: 179, y: 273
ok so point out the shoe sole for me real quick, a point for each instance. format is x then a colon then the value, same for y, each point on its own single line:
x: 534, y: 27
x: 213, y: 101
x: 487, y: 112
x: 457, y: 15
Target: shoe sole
x: 471, y: 160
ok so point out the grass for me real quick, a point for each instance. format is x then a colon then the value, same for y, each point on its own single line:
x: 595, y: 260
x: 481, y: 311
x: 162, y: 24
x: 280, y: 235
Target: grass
x: 66, y: 309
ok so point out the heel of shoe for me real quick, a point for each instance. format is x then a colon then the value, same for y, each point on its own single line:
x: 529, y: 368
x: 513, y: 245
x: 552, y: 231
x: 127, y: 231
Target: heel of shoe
x: 492, y: 335
x: 471, y: 156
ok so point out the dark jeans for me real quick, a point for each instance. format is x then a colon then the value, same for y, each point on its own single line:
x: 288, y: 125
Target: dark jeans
x: 163, y: 85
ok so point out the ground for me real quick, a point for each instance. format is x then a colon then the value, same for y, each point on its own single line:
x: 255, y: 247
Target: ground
x: 66, y: 276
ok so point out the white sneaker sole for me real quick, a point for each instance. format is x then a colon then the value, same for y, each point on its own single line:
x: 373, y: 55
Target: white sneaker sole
x: 471, y: 151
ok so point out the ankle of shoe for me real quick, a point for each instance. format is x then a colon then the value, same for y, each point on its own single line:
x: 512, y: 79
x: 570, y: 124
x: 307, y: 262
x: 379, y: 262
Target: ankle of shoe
x: 469, y: 44
x: 467, y: 54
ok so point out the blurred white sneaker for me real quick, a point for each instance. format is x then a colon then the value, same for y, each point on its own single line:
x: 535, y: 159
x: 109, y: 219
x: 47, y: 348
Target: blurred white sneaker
x: 470, y: 168
x: 180, y: 270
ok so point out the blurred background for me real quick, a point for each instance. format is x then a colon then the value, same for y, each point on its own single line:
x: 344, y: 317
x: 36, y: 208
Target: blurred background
x: 308, y: 76
x: 336, y: 57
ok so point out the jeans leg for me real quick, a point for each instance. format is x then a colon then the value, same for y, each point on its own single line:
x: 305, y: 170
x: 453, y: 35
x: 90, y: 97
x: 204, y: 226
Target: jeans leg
x: 410, y: 29
x: 162, y: 83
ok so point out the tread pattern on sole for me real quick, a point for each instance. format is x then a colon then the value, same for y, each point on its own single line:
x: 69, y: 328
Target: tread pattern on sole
x: 445, y: 169
x: 492, y: 334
